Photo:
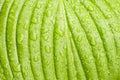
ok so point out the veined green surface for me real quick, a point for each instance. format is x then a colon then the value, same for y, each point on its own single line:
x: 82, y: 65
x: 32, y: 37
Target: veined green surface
x: 34, y: 39
x: 107, y: 35
x: 83, y: 46
x: 60, y: 53
x: 11, y: 38
x: 47, y: 45
x: 114, y: 24
x: 22, y: 36
x: 3, y: 49
x: 59, y: 40
x: 94, y: 39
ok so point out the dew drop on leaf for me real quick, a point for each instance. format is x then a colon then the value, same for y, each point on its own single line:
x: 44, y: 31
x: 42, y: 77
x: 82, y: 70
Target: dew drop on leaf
x: 62, y: 53
x: 36, y: 59
x: 47, y: 49
x: 93, y: 42
x: 20, y: 39
x: 109, y: 16
x: 82, y: 20
x: 33, y: 36
x: 25, y: 26
x: 17, y: 68
x: 44, y: 30
x: 48, y: 62
x: 45, y: 38
x: 79, y: 38
x: 34, y: 20
x: 91, y: 8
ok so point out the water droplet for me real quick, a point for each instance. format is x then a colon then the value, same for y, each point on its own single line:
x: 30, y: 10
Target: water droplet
x: 33, y: 36
x: 17, y: 68
x: 83, y: 20
x: 20, y: 39
x: 79, y: 38
x: 38, y: 5
x: 91, y: 8
x: 62, y: 53
x: 26, y: 68
x: 36, y: 58
x: 93, y: 42
x: 45, y: 38
x: 25, y: 26
x: 34, y: 20
x: 45, y: 30
x: 47, y: 49
x: 109, y: 16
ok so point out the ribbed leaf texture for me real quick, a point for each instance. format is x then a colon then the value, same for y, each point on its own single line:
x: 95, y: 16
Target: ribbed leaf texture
x: 59, y: 39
